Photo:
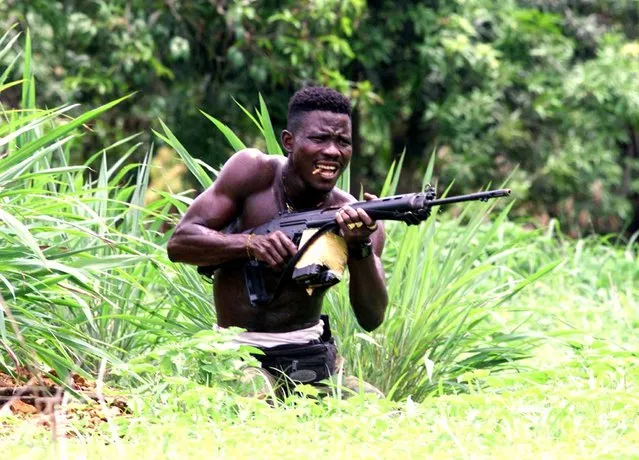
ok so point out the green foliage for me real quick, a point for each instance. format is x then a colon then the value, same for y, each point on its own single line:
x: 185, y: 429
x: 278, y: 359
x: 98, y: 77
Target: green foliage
x: 84, y: 277
x: 440, y: 325
x: 76, y: 245
x: 541, y: 92
x: 187, y: 51
x: 206, y: 358
x: 499, y: 90
x: 576, y: 397
x: 197, y: 375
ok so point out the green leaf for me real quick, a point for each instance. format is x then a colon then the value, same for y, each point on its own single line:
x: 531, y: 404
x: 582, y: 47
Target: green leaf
x: 233, y: 140
x: 272, y: 143
x: 59, y: 131
x: 22, y: 232
x: 199, y: 173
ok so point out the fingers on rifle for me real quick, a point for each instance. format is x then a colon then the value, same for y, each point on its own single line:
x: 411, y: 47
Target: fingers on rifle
x: 276, y: 250
x: 370, y: 196
x: 350, y: 215
x: 275, y: 257
x: 356, y: 218
x: 263, y: 250
x: 364, y: 217
x: 339, y: 218
x: 288, y: 247
x: 279, y: 244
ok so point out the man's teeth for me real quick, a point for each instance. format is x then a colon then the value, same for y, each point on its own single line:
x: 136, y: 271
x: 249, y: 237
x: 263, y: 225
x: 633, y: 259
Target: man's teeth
x: 322, y: 168
x: 325, y: 168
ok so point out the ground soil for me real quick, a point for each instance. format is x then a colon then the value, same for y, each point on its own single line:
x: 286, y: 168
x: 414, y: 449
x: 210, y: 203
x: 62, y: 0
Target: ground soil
x: 24, y: 395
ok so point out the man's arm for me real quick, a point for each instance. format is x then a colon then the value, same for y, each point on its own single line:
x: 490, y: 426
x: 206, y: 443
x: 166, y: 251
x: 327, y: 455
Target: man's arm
x: 197, y: 238
x: 367, y: 289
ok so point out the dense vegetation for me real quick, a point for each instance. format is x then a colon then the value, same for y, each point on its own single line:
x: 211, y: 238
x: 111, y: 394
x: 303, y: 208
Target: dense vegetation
x: 542, y: 92
x: 527, y: 338
x: 85, y: 275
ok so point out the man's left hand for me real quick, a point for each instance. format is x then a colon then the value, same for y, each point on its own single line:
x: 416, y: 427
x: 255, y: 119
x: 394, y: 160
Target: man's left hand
x: 355, y: 225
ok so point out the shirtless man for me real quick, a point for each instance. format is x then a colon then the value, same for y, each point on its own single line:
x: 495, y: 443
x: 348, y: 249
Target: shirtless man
x: 251, y: 189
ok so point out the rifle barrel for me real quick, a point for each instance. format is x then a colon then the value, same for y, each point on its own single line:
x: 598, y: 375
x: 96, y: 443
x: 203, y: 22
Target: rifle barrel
x: 388, y: 208
x: 481, y: 196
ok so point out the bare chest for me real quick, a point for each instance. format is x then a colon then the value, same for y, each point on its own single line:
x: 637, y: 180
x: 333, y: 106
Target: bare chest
x: 260, y: 208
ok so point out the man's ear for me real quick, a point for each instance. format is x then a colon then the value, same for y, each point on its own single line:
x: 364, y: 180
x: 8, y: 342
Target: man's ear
x: 287, y: 138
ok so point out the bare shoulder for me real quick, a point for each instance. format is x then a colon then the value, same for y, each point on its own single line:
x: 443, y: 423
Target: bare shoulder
x: 247, y: 171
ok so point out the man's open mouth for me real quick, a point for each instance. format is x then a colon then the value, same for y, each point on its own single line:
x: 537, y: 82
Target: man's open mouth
x: 326, y: 170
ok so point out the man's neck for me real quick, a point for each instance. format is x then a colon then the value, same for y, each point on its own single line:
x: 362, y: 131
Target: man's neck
x: 299, y: 195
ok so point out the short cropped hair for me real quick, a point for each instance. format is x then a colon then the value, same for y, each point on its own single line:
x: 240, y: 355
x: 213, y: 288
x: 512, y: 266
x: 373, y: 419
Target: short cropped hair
x: 315, y: 98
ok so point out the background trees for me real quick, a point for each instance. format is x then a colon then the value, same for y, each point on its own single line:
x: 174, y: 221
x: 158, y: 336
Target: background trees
x: 543, y: 92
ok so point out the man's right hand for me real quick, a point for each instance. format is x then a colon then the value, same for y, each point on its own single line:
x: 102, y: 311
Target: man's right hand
x: 275, y: 249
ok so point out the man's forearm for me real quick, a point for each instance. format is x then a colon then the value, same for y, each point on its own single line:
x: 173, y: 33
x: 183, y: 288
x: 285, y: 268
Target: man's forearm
x: 367, y: 291
x: 202, y: 246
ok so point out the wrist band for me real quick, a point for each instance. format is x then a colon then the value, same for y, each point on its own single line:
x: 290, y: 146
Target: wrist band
x: 248, y: 249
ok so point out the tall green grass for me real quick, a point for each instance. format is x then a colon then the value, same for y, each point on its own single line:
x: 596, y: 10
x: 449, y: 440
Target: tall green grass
x: 440, y: 326
x: 84, y: 273
x: 79, y: 251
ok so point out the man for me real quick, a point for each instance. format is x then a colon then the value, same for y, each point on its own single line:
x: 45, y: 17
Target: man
x: 253, y: 188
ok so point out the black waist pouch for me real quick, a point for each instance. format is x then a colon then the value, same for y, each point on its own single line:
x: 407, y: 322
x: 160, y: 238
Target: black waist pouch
x: 307, y: 363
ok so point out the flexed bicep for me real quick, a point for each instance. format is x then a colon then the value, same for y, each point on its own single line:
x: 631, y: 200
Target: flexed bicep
x: 211, y: 210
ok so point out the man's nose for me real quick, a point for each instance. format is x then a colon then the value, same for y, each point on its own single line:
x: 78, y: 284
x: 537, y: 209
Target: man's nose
x: 331, y: 150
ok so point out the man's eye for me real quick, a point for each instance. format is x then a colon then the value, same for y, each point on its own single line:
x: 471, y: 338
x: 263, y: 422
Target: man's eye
x: 344, y: 142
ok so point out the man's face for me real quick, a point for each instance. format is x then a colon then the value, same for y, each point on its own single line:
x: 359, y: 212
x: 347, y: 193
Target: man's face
x: 320, y: 148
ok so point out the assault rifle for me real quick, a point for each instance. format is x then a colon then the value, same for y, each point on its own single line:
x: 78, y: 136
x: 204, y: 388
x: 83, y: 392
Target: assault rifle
x: 411, y: 208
